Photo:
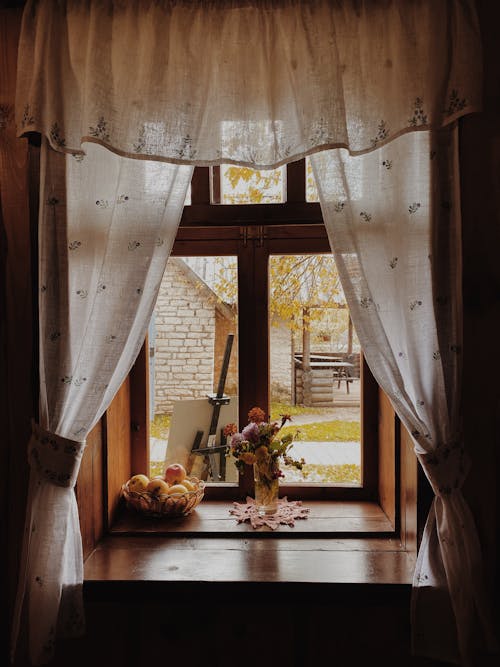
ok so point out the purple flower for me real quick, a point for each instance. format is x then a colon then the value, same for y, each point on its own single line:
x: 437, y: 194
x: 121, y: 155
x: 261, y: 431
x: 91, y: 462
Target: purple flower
x: 236, y: 439
x: 251, y: 432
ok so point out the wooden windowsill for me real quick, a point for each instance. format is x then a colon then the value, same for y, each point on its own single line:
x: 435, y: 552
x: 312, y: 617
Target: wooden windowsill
x: 212, y: 518
x: 342, y: 550
x: 157, y: 564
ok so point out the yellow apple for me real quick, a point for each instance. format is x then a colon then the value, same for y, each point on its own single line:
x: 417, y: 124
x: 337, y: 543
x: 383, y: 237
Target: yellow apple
x: 175, y: 473
x: 138, y: 483
x: 158, y: 487
x: 177, y: 488
x: 188, y: 484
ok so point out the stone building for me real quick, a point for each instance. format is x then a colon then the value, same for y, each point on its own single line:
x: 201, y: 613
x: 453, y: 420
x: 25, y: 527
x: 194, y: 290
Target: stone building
x: 191, y: 325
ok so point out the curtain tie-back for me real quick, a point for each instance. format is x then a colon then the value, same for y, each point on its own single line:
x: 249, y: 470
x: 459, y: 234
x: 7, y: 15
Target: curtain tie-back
x: 446, y: 466
x: 57, y: 459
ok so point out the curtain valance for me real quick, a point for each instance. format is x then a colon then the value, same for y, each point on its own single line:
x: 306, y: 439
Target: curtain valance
x: 258, y: 83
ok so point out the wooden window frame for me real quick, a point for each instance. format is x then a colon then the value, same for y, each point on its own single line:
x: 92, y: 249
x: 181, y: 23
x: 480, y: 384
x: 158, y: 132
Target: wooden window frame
x: 206, y: 229
x: 253, y: 245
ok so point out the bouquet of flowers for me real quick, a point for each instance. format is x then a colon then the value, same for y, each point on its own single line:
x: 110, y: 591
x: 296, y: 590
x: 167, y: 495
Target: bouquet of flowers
x: 260, y: 443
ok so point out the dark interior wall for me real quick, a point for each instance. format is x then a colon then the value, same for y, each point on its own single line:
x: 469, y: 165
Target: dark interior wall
x: 16, y: 319
x: 480, y: 182
x: 480, y: 186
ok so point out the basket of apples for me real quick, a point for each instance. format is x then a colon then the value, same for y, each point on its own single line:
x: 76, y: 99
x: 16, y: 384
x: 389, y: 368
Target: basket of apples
x: 173, y: 494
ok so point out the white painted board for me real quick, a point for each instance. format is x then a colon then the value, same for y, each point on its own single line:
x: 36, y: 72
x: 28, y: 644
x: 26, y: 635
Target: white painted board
x: 195, y: 415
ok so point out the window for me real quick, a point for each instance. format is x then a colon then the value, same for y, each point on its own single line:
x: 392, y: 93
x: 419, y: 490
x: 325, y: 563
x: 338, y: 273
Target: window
x: 218, y: 242
x: 201, y: 300
x: 242, y: 185
x: 231, y: 276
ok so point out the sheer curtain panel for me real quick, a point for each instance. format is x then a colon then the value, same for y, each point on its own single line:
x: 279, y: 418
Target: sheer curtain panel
x: 107, y: 225
x: 393, y: 220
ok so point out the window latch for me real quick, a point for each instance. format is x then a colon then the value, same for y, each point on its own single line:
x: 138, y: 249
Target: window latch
x: 253, y: 233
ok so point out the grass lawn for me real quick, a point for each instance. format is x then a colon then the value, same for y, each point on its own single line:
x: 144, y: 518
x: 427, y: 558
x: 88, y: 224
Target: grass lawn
x: 328, y: 431
x: 159, y: 427
x: 332, y: 431
x: 324, y: 474
x: 348, y: 473
x: 278, y: 409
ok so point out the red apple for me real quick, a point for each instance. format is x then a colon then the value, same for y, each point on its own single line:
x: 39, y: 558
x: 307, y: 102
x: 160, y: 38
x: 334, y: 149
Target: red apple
x: 175, y: 473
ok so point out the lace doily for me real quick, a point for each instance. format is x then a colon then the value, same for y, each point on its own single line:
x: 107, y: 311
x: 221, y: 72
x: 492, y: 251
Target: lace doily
x: 286, y: 514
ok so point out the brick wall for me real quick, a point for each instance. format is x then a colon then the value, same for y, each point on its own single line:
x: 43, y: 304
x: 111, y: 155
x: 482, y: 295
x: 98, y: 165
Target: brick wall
x: 185, y: 337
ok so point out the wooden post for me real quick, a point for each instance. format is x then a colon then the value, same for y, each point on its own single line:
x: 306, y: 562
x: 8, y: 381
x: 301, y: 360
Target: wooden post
x: 306, y: 358
x: 349, y: 334
x: 293, y: 374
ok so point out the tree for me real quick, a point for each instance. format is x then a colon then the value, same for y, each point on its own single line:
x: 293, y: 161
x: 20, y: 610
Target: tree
x: 305, y: 292
x: 302, y: 287
x: 242, y: 185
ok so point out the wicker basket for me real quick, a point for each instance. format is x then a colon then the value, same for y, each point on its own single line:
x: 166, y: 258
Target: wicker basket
x: 164, y: 505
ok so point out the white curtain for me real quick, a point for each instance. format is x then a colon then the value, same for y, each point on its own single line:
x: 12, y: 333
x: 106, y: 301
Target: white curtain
x: 107, y: 225
x: 256, y: 82
x: 393, y: 220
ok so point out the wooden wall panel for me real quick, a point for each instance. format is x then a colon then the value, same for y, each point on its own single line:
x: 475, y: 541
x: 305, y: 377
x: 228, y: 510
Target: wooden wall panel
x: 139, y: 413
x: 369, y: 430
x: 408, y: 490
x: 17, y: 399
x: 90, y: 491
x: 357, y: 628
x: 118, y: 460
x: 386, y: 457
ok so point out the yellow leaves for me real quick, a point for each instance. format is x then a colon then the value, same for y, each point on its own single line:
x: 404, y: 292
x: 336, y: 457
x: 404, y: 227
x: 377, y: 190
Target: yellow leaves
x: 242, y: 185
x: 234, y: 174
x: 306, y: 294
x: 256, y: 195
x: 226, y: 279
x: 311, y: 189
x: 303, y: 281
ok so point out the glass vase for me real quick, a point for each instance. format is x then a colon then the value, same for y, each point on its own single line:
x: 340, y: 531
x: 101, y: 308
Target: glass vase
x: 266, y: 488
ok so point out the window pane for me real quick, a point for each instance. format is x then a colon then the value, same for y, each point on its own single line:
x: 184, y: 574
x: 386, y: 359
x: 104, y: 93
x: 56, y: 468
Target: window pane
x: 314, y: 360
x: 242, y: 185
x: 195, y: 311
